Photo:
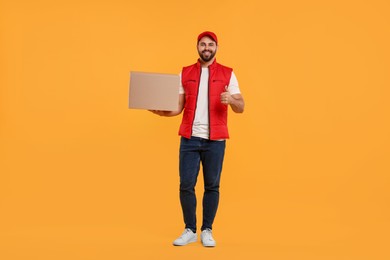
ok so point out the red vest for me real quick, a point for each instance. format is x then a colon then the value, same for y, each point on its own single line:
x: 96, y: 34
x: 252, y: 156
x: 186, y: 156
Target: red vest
x: 219, y: 78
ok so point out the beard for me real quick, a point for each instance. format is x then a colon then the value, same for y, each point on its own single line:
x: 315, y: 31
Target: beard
x: 206, y: 55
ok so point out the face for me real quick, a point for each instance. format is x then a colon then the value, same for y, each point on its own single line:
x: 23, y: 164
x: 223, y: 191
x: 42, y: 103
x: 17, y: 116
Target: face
x: 207, y: 48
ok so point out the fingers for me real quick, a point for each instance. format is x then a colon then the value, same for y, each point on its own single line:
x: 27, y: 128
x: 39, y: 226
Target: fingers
x: 225, y: 97
x: 157, y: 112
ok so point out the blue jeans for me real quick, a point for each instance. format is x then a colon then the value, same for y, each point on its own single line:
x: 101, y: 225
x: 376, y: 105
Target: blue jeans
x: 193, y: 152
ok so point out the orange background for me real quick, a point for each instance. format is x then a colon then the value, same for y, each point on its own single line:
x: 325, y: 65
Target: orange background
x: 306, y: 174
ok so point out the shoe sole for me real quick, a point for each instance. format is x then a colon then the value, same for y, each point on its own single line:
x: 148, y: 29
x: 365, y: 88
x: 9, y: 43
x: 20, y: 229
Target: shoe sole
x: 191, y: 241
x: 208, y: 245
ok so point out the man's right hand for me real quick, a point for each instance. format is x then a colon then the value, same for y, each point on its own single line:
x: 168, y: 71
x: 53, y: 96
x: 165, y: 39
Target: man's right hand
x: 171, y: 113
x: 159, y: 112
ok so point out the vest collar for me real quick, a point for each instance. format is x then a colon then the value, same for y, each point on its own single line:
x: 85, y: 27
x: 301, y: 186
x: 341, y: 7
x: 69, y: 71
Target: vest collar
x: 211, y: 66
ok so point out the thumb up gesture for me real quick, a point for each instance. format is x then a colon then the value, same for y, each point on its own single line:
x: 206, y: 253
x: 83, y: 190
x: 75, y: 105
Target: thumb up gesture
x: 226, y: 98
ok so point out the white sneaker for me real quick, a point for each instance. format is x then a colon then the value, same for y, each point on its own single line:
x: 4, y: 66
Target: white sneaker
x: 187, y: 237
x: 207, y: 238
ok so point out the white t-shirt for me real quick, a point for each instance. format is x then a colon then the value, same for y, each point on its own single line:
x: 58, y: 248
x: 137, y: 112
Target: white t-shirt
x: 200, y: 128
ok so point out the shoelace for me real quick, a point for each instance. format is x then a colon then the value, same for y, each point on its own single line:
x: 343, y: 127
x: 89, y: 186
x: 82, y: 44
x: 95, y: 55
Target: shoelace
x: 207, y: 234
x: 186, y: 232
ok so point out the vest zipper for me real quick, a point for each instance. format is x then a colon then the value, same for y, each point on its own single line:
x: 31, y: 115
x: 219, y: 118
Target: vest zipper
x: 208, y: 102
x: 196, y: 101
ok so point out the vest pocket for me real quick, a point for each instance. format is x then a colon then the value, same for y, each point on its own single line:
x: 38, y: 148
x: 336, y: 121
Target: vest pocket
x: 220, y: 83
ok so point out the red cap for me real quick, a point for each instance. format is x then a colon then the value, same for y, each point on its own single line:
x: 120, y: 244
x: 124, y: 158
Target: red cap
x: 208, y: 34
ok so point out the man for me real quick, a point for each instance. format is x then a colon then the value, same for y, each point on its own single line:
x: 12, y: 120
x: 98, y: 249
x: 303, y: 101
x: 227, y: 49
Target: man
x: 207, y: 89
